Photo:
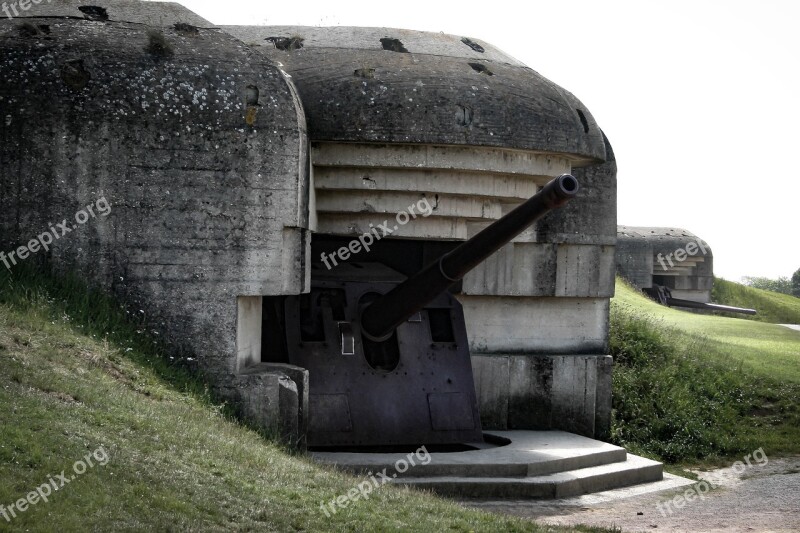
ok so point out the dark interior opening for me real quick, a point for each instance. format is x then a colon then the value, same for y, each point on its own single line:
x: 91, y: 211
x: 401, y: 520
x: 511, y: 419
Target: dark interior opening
x: 584, y: 122
x: 312, y: 328
x: 380, y: 355
x: 666, y: 281
x: 398, y: 448
x: 489, y: 441
x: 481, y: 68
x: 472, y: 44
x: 393, y: 45
x: 287, y: 44
x: 273, y: 330
x: 384, y: 355
x: 94, y: 12
x: 441, y: 324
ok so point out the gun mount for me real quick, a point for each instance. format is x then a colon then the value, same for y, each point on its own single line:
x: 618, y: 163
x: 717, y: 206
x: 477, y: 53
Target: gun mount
x: 388, y: 358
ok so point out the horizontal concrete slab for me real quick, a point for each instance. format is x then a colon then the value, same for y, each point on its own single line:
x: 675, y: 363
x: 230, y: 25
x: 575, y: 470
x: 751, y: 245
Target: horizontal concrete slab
x: 633, y: 471
x: 530, y: 453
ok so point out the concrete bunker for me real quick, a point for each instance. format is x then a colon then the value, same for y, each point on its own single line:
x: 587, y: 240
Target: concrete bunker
x: 225, y: 206
x: 671, y: 265
x: 393, y: 135
x: 666, y: 257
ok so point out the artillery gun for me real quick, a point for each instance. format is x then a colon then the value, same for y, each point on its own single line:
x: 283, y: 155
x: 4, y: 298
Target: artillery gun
x: 663, y: 296
x: 388, y: 358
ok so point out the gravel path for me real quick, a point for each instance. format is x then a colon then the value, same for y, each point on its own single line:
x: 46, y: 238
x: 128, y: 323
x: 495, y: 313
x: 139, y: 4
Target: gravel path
x: 761, y: 497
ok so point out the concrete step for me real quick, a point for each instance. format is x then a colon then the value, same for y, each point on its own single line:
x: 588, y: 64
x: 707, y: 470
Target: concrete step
x: 528, y: 453
x: 633, y: 471
x: 509, y: 464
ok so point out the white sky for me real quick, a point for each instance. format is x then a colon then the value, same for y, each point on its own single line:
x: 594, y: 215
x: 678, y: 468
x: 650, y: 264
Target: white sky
x: 698, y: 98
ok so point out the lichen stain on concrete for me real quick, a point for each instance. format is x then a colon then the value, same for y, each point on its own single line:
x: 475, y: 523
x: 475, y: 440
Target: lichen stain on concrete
x: 158, y: 46
x: 252, y: 113
x: 75, y: 75
x: 367, y: 73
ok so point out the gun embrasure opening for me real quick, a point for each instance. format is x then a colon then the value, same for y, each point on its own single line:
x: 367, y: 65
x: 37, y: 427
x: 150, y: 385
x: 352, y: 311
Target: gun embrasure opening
x: 380, y: 318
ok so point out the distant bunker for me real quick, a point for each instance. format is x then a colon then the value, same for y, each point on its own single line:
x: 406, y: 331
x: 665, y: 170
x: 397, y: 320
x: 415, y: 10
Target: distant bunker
x: 668, y: 257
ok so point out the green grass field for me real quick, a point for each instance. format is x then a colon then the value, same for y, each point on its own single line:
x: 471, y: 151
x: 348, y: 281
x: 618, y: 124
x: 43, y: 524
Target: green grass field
x: 701, y: 388
x: 76, y: 376
x: 769, y: 349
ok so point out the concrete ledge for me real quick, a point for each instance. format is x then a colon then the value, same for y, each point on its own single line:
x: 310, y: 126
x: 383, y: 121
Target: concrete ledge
x: 633, y: 471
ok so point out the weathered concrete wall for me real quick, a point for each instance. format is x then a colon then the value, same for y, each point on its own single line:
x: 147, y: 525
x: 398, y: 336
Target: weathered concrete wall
x: 569, y: 392
x: 551, y: 325
x: 197, y: 144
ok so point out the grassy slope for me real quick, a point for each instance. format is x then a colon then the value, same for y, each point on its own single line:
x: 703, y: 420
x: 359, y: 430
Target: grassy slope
x: 74, y: 376
x: 771, y: 350
x: 691, y: 387
x: 771, y: 306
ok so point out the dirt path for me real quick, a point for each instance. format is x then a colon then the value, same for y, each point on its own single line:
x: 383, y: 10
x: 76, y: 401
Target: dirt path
x: 762, y: 497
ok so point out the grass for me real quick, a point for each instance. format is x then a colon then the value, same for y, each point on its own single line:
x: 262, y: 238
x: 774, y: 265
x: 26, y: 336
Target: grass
x: 771, y: 306
x: 770, y: 350
x: 699, y: 388
x: 77, y: 373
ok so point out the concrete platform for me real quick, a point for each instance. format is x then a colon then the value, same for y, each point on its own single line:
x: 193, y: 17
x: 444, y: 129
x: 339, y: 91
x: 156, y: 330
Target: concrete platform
x: 534, y: 464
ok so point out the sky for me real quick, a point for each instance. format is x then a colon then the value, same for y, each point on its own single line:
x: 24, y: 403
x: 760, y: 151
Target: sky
x: 698, y: 98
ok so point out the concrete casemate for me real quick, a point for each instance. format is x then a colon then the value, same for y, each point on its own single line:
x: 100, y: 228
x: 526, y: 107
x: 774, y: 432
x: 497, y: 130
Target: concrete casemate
x: 233, y: 158
x: 670, y: 257
x: 398, y: 116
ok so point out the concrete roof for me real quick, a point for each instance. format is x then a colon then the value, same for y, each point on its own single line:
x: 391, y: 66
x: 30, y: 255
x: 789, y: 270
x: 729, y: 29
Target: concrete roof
x: 660, y: 239
x: 151, y: 13
x: 652, y: 233
x: 382, y: 85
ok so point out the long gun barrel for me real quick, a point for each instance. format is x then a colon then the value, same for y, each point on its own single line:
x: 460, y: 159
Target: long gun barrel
x: 677, y: 302
x: 380, y: 318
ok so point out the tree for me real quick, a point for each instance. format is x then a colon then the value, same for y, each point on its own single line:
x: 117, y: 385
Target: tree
x: 782, y: 284
x: 796, y: 283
